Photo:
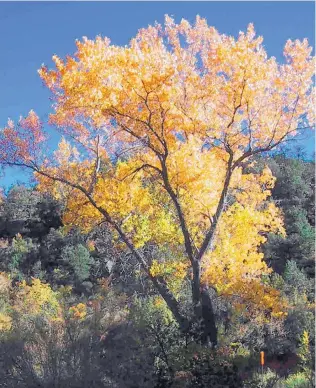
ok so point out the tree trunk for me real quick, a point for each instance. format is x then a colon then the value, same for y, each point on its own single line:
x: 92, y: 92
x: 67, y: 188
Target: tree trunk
x: 209, y: 329
x: 171, y: 301
x: 196, y: 288
x: 203, y: 309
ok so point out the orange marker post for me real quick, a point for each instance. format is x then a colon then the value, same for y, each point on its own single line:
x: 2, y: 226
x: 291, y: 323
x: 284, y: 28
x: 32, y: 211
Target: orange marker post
x: 262, y: 363
x: 261, y: 358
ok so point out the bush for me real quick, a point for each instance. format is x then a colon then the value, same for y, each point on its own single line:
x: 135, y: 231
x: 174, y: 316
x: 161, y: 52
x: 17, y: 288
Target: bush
x: 40, y: 349
x: 298, y: 380
x: 79, y: 259
x: 268, y: 379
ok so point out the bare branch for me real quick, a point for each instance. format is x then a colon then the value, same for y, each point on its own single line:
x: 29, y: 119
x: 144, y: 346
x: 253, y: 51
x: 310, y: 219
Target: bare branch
x: 96, y: 168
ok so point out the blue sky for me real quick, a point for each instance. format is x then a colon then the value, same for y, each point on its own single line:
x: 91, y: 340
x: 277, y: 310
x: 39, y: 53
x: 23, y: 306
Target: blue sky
x: 31, y: 32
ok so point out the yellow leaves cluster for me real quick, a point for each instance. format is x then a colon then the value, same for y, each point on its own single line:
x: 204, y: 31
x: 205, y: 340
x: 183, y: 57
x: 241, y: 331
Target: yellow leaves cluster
x: 175, y: 268
x: 5, y: 287
x: 37, y: 298
x: 126, y: 196
x: 254, y: 297
x: 120, y: 193
x: 78, y: 311
x: 252, y: 189
x: 65, y: 153
x: 28, y: 300
x: 192, y: 88
x: 173, y: 271
x: 149, y: 227
x: 197, y: 176
x: 304, y: 351
x: 236, y: 254
x: 305, y: 338
x: 5, y: 322
x: 236, y: 265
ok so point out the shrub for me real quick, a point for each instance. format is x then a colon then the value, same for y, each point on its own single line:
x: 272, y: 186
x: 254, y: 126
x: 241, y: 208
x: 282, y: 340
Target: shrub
x: 298, y: 380
x: 79, y: 259
x: 268, y: 379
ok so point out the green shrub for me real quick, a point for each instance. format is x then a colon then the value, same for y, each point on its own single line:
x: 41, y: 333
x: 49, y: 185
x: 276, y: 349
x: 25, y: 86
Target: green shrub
x: 298, y: 380
x: 268, y: 379
x: 271, y: 380
x: 79, y: 259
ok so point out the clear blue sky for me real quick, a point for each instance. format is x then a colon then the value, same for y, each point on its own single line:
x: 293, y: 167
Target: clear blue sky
x: 30, y: 33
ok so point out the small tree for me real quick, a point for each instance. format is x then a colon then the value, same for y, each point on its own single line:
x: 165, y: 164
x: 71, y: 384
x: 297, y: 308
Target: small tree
x: 307, y: 361
x: 79, y: 259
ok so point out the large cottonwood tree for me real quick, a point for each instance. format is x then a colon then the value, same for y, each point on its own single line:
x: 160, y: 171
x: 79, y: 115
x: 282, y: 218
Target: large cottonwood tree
x: 159, y: 133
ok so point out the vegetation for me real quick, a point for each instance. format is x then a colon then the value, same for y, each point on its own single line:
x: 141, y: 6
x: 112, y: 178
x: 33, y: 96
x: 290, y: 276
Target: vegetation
x: 162, y: 246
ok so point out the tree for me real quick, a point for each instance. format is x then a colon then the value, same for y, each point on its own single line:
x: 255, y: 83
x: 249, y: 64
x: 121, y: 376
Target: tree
x: 160, y: 132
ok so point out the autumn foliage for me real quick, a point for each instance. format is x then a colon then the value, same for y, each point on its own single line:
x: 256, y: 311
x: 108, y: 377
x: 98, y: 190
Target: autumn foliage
x: 159, y: 139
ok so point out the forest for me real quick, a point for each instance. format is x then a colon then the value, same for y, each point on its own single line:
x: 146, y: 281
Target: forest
x: 169, y: 241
